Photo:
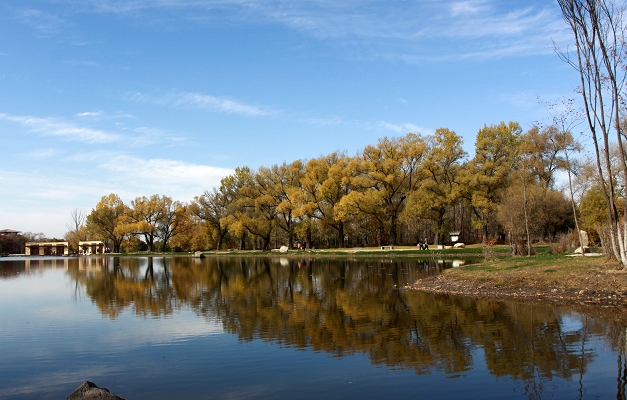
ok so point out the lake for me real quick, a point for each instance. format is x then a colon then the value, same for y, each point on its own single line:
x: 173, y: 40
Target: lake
x: 286, y: 328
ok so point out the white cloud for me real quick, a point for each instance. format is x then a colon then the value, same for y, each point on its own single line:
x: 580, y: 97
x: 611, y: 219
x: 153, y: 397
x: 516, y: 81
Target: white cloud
x: 45, y: 201
x: 204, y: 102
x: 218, y: 104
x: 40, y: 154
x: 48, y: 196
x: 90, y: 114
x: 42, y: 22
x: 80, y: 131
x: 515, y: 22
x: 102, y: 115
x: 85, y: 63
x: 468, y: 7
x: 412, y: 32
x: 177, y: 179
x: 67, y: 130
x: 323, y: 121
x: 406, y: 128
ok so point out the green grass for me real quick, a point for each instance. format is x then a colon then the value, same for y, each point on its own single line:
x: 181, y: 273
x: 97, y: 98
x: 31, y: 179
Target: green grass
x: 538, y: 267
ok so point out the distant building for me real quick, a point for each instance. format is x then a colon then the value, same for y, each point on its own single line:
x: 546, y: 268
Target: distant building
x: 9, y: 232
x: 91, y: 247
x: 47, y: 248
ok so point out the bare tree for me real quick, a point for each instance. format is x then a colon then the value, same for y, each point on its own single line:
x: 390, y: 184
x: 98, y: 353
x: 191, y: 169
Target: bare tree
x: 78, y: 219
x: 599, y: 32
x: 565, y: 119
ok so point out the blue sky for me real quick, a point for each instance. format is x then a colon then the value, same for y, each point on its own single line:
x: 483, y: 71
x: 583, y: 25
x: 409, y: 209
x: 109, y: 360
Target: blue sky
x: 142, y: 97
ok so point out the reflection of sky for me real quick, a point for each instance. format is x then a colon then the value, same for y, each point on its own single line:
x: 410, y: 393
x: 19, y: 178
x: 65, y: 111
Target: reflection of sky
x: 45, y: 323
x: 571, y: 323
x: 43, y: 304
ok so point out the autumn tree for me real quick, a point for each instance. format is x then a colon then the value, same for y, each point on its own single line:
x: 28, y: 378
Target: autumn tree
x: 143, y: 218
x: 106, y: 220
x: 438, y: 189
x: 326, y: 180
x: 592, y: 207
x: 169, y: 225
x: 253, y: 209
x: 192, y: 233
x: 543, y: 153
x: 212, y: 207
x: 280, y: 185
x: 488, y: 174
x: 534, y: 168
x: 385, y: 175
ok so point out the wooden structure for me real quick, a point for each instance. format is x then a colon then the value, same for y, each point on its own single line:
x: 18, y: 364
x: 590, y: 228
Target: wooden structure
x: 47, y: 248
x: 91, y: 247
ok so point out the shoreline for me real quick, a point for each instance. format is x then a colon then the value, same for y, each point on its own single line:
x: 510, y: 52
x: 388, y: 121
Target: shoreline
x: 594, y: 287
x: 442, y: 284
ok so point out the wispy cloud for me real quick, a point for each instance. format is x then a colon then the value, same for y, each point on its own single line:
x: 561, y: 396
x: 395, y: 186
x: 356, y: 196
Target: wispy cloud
x: 66, y: 130
x: 42, y: 22
x: 82, y: 63
x: 174, y: 178
x: 91, y: 114
x: 320, y: 121
x: 108, y: 172
x: 406, y: 128
x: 41, y: 154
x: 468, y: 7
x: 81, y: 129
x: 411, y: 31
x: 48, y: 202
x: 102, y: 115
x: 204, y: 102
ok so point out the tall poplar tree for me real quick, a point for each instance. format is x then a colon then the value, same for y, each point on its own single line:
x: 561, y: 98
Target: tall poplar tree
x: 488, y: 174
x: 438, y: 190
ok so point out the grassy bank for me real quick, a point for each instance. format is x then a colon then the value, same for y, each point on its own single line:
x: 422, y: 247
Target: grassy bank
x: 554, y: 278
x: 542, y: 269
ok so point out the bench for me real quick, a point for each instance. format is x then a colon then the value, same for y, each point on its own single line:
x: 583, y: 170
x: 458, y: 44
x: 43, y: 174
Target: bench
x: 383, y: 247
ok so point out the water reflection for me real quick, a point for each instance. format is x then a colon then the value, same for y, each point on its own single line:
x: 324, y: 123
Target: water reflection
x: 344, y: 307
x: 15, y: 266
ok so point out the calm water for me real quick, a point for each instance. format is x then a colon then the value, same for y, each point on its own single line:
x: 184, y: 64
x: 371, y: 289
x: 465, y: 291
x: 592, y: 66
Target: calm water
x: 244, y: 328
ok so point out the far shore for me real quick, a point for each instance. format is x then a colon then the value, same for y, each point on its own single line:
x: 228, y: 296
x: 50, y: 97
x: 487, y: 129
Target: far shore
x: 397, y: 251
x: 583, y: 283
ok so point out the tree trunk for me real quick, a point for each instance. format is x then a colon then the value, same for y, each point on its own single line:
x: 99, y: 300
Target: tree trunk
x: 526, y: 217
x: 392, y: 238
x: 242, y: 241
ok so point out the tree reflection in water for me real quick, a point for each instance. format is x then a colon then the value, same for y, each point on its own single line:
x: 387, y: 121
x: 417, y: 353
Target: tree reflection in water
x: 344, y: 307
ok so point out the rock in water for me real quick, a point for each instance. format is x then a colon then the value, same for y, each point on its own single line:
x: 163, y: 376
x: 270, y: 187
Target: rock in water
x: 89, y: 391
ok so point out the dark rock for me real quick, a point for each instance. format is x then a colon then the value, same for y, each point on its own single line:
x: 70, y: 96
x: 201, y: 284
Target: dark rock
x: 89, y: 391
